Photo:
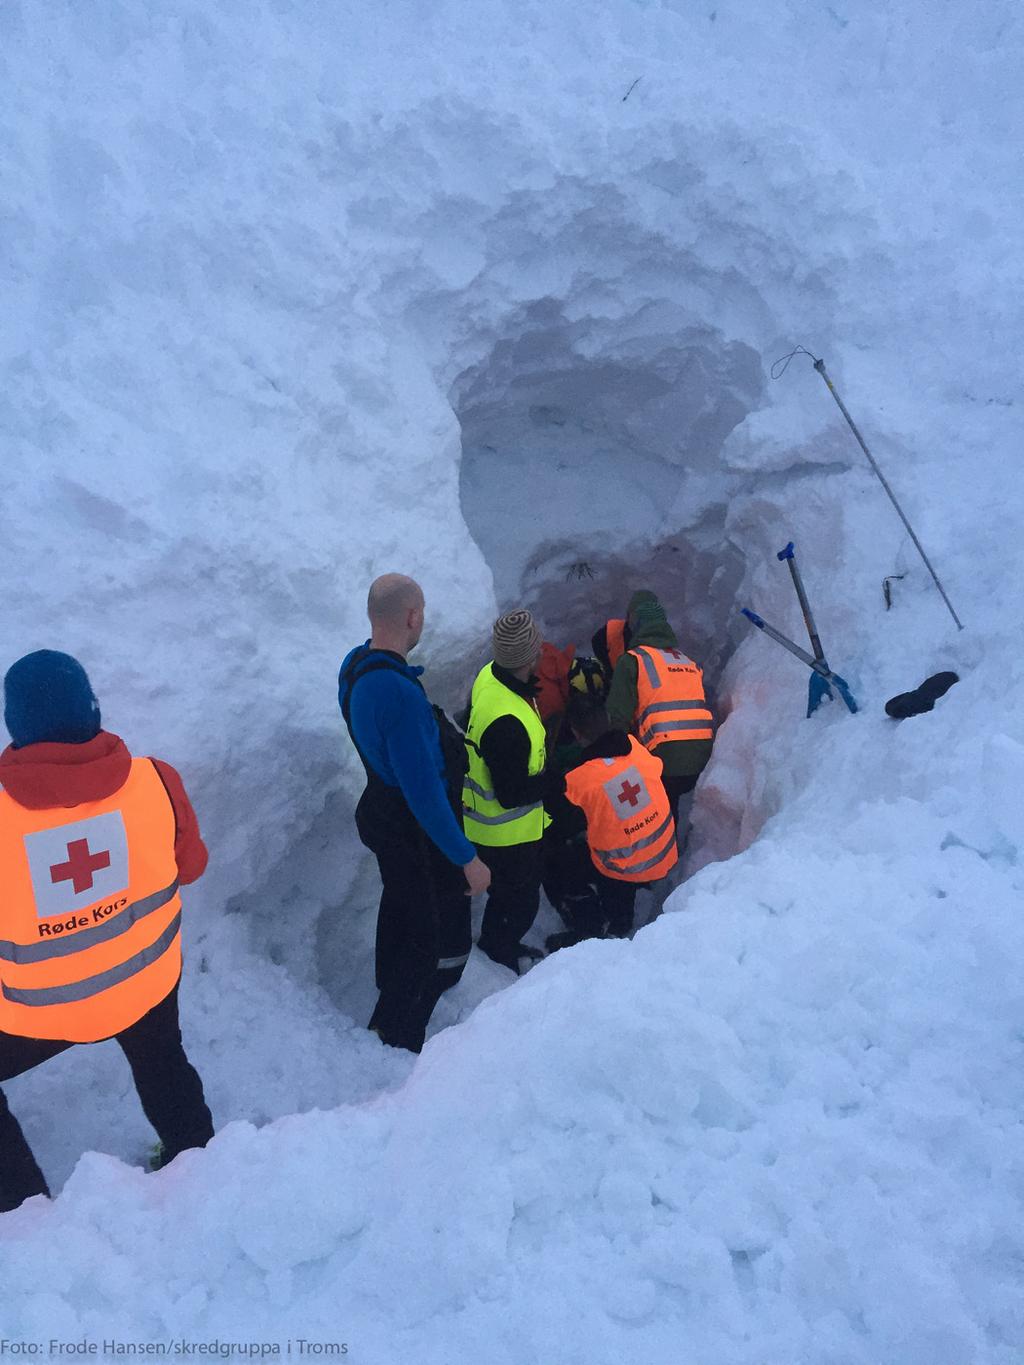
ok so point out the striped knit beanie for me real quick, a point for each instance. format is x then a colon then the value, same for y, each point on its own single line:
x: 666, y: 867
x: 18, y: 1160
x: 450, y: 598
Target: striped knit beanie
x: 516, y: 640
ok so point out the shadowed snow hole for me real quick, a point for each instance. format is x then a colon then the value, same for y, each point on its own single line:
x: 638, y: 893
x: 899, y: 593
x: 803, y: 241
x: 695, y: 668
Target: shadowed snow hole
x: 591, y: 468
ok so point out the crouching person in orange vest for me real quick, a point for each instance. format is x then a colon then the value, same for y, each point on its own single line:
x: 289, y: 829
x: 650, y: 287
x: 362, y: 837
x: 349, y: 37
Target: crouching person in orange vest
x: 657, y: 693
x: 94, y: 845
x: 631, y: 831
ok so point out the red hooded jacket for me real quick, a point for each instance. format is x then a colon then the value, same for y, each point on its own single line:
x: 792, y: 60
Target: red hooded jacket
x: 53, y: 776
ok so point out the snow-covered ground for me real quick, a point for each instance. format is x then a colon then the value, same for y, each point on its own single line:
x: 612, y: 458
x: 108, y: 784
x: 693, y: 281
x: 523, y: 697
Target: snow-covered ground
x: 297, y: 293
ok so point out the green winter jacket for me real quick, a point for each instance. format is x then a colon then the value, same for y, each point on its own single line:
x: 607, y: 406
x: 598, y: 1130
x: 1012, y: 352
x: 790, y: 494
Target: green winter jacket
x: 649, y: 625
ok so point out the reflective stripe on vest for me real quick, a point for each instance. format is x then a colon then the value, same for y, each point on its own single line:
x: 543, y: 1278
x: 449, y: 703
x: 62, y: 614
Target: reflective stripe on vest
x: 615, y: 638
x: 111, y: 928
x: 617, y: 854
x: 671, y: 705
x: 90, y: 922
x: 634, y: 871
x: 630, y: 829
x: 505, y: 818
x: 477, y: 790
x: 96, y: 985
x: 486, y: 795
x: 485, y: 820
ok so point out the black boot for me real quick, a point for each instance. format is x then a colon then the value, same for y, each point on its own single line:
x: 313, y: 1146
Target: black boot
x: 922, y: 698
x: 518, y: 958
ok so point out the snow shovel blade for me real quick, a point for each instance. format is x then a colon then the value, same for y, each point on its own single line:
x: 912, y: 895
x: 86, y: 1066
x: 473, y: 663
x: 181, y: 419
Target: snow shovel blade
x: 843, y: 688
x: 820, y: 688
x: 817, y: 691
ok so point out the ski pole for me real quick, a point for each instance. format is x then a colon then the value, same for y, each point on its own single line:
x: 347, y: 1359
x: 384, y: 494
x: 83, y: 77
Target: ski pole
x: 788, y: 555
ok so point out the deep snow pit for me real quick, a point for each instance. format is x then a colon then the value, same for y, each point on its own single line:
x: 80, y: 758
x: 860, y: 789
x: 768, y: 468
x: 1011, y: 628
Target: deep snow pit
x: 591, y: 468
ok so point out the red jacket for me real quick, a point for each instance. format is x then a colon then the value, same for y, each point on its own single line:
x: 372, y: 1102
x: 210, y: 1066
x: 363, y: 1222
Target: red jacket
x: 51, y: 776
x: 553, y: 679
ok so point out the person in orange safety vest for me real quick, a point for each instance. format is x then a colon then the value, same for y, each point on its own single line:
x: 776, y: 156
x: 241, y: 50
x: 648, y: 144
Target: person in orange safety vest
x: 657, y: 693
x: 94, y: 847
x: 618, y: 790
x: 609, y: 644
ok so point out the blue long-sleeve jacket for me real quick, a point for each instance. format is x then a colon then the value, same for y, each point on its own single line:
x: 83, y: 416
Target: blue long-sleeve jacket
x: 394, y: 727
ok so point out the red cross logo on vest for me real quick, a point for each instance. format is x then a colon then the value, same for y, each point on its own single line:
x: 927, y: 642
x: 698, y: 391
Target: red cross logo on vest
x: 628, y: 793
x: 80, y: 866
x: 676, y: 661
x: 78, y: 863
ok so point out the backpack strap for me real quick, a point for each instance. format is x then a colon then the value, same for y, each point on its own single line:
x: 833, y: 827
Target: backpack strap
x: 369, y: 661
x: 372, y: 662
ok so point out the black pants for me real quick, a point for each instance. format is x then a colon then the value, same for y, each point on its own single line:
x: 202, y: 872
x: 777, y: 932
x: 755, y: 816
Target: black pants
x: 618, y: 900
x: 423, y: 926
x: 513, y: 900
x: 570, y: 884
x: 167, y: 1083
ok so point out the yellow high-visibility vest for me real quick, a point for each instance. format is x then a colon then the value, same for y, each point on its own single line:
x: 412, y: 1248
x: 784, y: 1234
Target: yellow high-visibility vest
x: 486, y: 821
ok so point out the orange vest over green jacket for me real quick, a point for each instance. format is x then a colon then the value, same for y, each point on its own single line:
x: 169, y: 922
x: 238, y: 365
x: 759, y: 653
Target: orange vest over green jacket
x: 670, y: 698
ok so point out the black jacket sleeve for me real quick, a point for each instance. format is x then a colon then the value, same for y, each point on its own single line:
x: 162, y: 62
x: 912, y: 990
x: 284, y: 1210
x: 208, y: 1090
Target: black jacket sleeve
x: 567, y: 820
x: 505, y: 747
x: 599, y: 644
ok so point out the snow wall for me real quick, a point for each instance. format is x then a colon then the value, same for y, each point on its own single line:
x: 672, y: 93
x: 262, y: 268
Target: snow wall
x: 296, y: 294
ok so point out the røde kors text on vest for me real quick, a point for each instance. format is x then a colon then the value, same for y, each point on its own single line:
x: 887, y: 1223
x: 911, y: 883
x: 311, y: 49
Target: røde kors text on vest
x: 641, y: 824
x: 96, y: 915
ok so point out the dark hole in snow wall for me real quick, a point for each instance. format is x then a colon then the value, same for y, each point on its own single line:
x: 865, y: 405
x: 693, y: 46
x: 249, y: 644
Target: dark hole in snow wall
x: 591, y: 467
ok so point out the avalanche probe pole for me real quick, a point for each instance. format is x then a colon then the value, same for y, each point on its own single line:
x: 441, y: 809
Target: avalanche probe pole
x: 819, y: 365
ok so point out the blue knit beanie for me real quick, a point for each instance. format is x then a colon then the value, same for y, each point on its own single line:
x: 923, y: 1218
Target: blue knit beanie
x: 48, y: 699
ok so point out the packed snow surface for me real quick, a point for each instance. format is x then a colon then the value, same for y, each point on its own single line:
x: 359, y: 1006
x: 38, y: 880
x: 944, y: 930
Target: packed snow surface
x: 298, y: 293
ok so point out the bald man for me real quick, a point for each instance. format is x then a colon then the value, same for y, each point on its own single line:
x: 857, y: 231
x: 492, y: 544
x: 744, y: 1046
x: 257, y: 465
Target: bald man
x: 409, y: 816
